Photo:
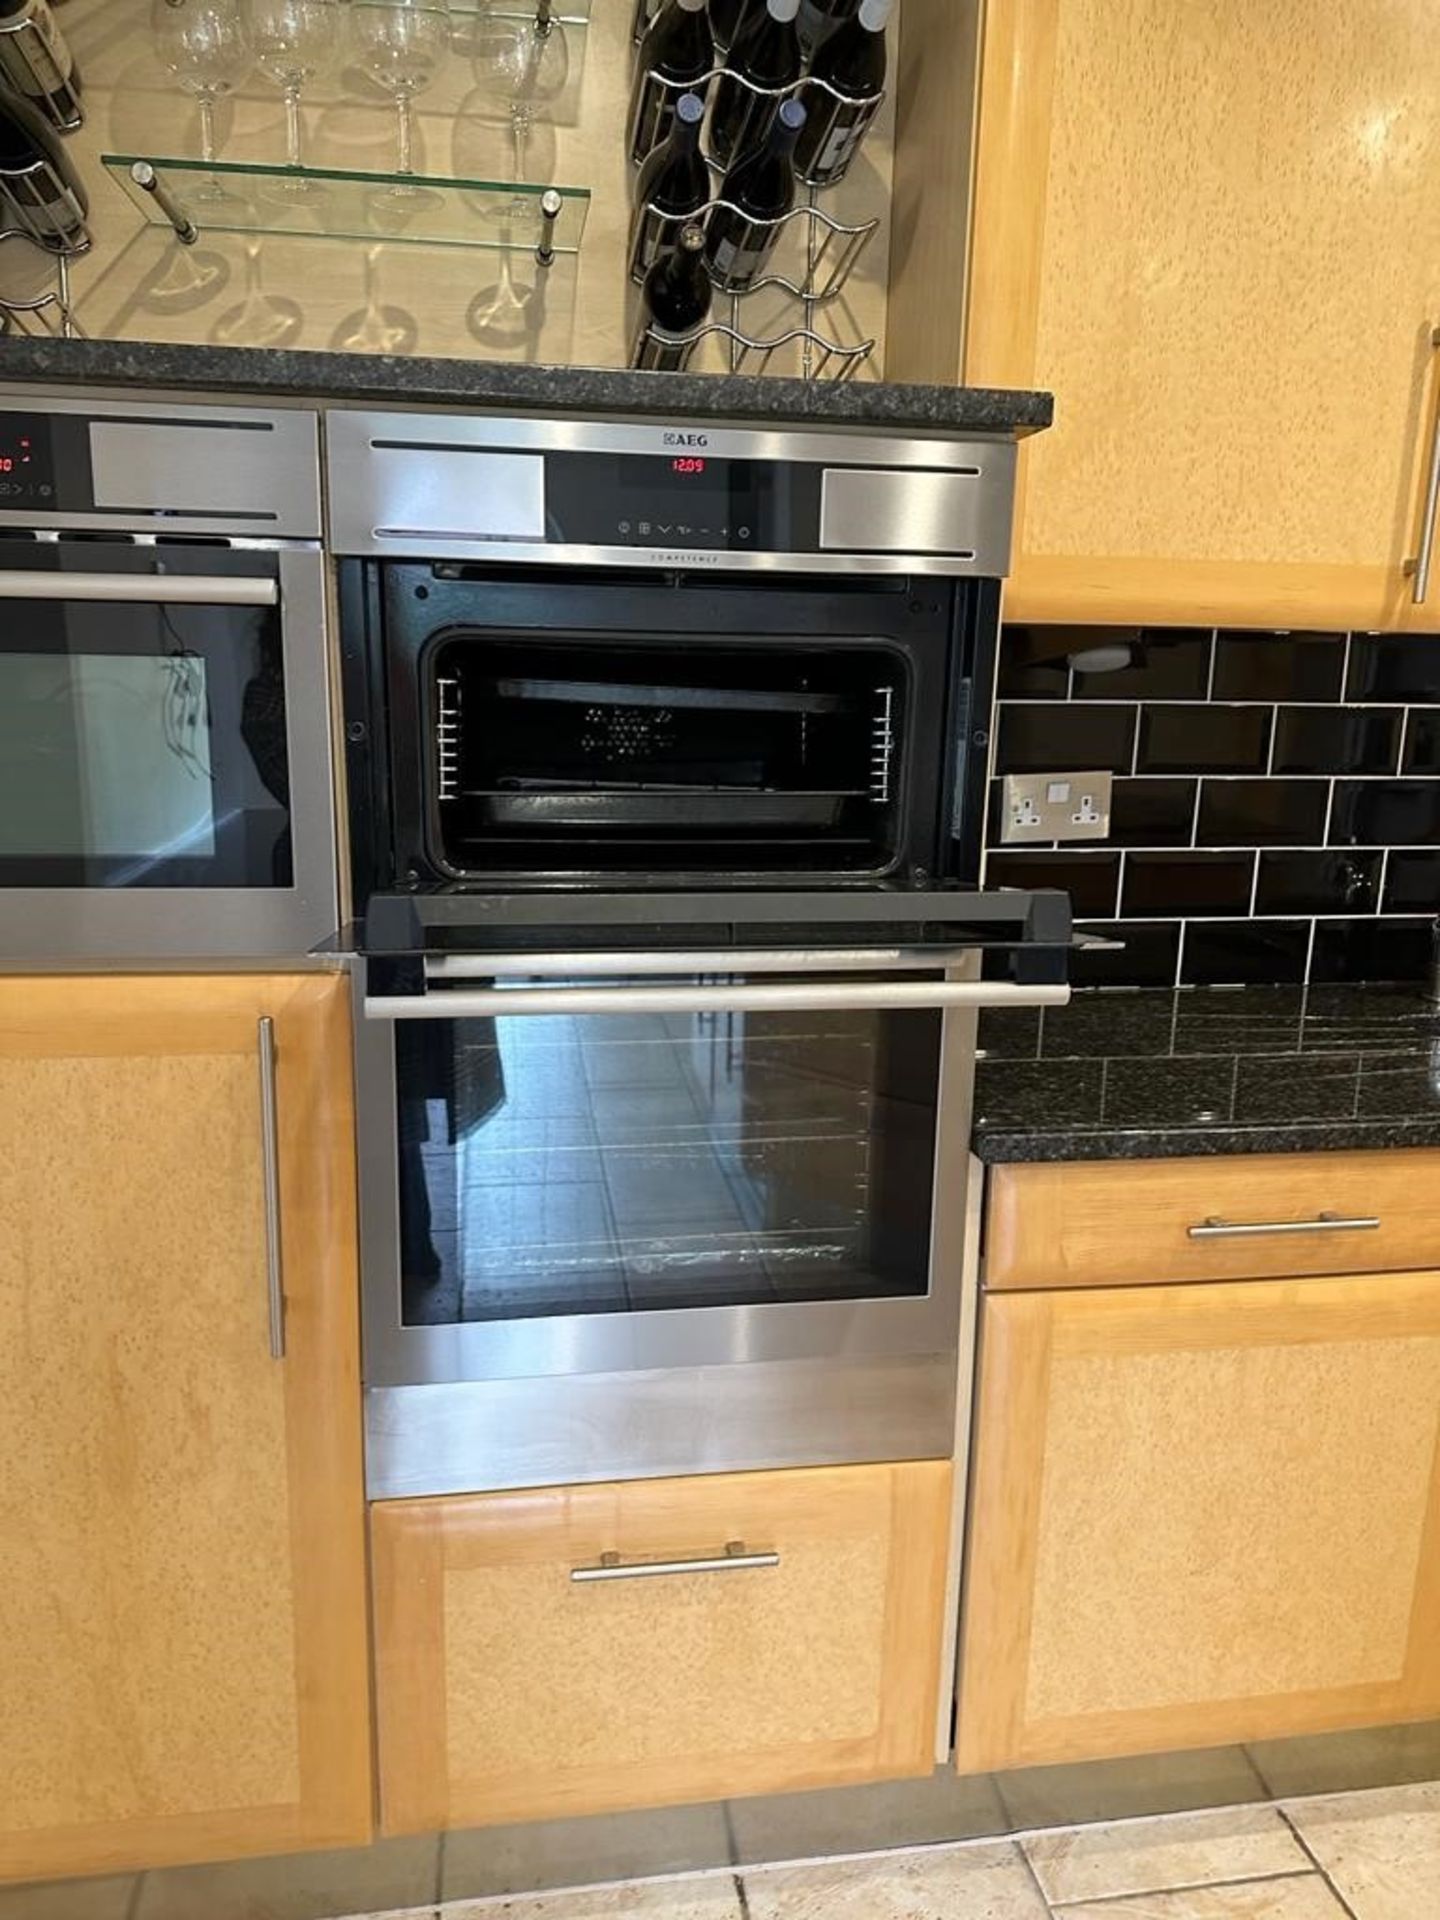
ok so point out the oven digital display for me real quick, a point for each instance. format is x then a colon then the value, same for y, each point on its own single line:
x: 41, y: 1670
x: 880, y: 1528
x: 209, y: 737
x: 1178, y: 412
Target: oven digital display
x: 680, y: 500
x: 27, y: 465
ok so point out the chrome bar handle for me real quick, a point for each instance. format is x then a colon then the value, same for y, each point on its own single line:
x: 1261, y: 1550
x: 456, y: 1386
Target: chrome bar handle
x: 141, y: 589
x: 270, y: 1162
x: 734, y: 1560
x: 891, y: 995
x: 1419, y: 568
x: 1213, y: 1229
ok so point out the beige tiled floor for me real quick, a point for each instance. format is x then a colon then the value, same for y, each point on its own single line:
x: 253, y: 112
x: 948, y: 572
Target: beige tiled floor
x: 1358, y: 1856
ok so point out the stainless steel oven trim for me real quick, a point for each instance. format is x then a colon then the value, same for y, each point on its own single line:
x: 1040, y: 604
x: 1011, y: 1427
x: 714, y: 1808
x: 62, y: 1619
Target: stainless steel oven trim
x: 368, y: 518
x: 70, y: 923
x: 285, y: 467
x: 585, y: 1344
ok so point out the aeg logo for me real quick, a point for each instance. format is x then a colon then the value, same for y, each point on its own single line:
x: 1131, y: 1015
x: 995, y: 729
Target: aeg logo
x: 676, y: 439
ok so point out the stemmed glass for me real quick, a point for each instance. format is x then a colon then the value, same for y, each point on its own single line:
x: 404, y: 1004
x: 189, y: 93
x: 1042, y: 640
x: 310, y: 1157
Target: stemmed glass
x: 295, y: 41
x: 205, y: 45
x: 529, y: 60
x: 401, y: 44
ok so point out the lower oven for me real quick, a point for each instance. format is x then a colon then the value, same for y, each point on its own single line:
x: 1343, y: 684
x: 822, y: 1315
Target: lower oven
x: 664, y: 1213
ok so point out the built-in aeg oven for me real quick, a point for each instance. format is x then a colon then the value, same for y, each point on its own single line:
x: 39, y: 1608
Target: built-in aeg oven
x: 165, y: 717
x: 665, y: 774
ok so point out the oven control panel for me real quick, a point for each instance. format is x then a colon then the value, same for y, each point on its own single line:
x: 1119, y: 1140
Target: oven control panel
x: 624, y: 493
x: 29, y: 471
x: 132, y: 466
x: 688, y: 500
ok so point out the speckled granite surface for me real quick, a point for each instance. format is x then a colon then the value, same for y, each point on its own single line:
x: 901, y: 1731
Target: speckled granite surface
x: 1146, y: 1075
x: 381, y: 381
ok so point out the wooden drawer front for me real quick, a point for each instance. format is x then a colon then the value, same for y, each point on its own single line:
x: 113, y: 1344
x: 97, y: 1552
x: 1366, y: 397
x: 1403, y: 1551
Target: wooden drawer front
x: 509, y: 1691
x: 1127, y: 1223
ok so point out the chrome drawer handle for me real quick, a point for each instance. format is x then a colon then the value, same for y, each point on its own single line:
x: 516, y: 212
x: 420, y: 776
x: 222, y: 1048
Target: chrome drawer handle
x: 734, y: 1560
x: 270, y: 1170
x: 1213, y: 1229
x: 1418, y: 568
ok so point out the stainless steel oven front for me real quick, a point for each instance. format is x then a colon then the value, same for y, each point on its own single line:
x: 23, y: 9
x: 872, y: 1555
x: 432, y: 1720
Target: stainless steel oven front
x: 166, y: 785
x: 646, y: 1213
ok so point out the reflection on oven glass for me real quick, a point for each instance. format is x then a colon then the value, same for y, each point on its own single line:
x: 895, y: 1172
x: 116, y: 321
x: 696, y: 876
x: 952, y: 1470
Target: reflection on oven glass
x: 608, y: 1164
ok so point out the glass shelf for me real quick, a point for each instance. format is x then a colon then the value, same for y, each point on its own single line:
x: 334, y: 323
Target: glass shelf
x: 328, y: 203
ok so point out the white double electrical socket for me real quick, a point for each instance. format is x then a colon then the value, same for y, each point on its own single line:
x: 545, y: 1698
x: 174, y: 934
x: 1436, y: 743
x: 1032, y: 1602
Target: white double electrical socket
x: 1055, y: 806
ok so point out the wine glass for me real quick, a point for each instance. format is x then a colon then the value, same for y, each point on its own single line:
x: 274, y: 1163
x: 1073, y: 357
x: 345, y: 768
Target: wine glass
x: 205, y: 45
x: 401, y: 44
x: 527, y: 59
x: 295, y: 41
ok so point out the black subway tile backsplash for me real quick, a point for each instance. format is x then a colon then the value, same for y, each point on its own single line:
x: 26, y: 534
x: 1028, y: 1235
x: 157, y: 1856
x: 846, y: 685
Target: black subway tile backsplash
x: 1039, y: 739
x: 1422, y: 744
x: 1394, y: 667
x: 1200, y: 739
x: 1337, y: 740
x: 1092, y: 880
x: 1279, y: 666
x: 1370, y: 950
x: 1318, y: 883
x: 1412, y: 883
x: 1385, y: 813
x: 1263, y: 813
x: 1152, y: 813
x: 1187, y: 884
x: 1142, y: 956
x: 1234, y: 953
x: 1276, y: 805
x: 1173, y: 665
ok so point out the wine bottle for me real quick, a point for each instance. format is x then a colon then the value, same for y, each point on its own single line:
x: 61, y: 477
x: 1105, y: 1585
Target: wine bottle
x: 766, y: 52
x: 676, y: 301
x: 820, y: 18
x: 38, y: 185
x: 760, y: 187
x: 36, y: 61
x: 853, y: 62
x: 675, y: 57
x: 727, y: 17
x: 672, y: 187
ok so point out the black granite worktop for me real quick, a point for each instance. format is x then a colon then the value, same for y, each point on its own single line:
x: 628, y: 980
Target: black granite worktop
x: 1152, y: 1074
x: 391, y: 382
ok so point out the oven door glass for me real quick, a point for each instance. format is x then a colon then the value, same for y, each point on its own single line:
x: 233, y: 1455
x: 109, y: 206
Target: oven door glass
x: 142, y: 742
x: 618, y: 1163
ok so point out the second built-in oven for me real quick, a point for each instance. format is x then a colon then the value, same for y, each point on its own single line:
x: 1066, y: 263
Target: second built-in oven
x: 666, y: 778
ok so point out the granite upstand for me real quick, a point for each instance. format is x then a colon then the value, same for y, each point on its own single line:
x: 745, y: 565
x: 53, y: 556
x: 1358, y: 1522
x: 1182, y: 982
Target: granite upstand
x: 1149, y: 1074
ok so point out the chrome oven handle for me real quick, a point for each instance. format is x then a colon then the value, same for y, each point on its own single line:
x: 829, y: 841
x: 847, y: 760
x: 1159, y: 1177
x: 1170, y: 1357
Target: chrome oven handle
x: 142, y: 589
x: 735, y: 1559
x: 887, y: 995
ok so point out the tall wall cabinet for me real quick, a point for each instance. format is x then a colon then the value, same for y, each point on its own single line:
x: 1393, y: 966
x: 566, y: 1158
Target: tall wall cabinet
x: 1214, y: 232
x: 181, y: 1518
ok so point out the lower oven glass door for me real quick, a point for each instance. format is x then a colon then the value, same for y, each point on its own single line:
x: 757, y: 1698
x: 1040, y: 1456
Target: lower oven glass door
x: 676, y: 1174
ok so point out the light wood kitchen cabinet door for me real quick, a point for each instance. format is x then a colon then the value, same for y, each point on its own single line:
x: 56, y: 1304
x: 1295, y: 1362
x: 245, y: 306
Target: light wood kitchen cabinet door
x: 1202, y: 1515
x: 507, y: 1690
x: 1213, y: 230
x: 182, y: 1585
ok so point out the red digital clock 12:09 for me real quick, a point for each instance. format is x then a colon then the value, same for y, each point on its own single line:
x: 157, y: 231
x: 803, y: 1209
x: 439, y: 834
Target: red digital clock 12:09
x: 687, y: 463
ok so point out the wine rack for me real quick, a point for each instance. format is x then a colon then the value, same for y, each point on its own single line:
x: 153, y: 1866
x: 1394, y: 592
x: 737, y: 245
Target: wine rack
x: 833, y: 247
